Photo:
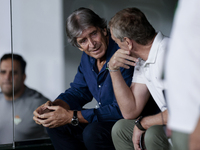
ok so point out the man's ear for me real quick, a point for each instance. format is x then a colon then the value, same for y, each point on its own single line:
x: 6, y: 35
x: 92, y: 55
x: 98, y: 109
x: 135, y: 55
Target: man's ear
x: 105, y: 32
x: 24, y: 77
x: 128, y: 42
x: 80, y: 49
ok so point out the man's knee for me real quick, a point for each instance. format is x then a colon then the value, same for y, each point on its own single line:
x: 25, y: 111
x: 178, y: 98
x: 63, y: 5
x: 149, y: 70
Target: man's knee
x: 97, y: 135
x: 122, y: 133
x: 90, y: 133
x: 58, y: 131
x: 118, y: 128
x: 123, y: 129
x: 156, y: 138
x: 94, y: 132
x: 50, y: 130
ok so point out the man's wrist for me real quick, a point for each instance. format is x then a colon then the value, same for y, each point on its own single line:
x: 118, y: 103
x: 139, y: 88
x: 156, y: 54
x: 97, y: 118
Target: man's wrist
x: 139, y: 125
x: 110, y: 69
x: 75, y: 120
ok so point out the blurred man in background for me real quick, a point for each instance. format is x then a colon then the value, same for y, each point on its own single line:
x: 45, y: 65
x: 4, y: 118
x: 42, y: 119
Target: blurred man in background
x: 26, y: 100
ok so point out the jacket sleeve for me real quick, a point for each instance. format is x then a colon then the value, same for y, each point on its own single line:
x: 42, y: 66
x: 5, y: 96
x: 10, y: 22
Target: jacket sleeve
x: 78, y: 94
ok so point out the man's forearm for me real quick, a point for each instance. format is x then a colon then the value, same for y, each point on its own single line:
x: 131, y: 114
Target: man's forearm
x: 81, y: 118
x: 123, y: 94
x: 158, y: 119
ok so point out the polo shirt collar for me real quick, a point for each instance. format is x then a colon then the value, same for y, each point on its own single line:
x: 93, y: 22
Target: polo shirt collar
x: 154, y: 48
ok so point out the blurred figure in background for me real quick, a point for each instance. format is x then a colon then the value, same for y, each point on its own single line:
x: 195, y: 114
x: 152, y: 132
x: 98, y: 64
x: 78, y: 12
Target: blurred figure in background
x: 26, y: 100
x: 183, y: 77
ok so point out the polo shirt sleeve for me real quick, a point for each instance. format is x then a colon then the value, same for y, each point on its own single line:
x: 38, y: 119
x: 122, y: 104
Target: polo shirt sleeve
x: 138, y: 76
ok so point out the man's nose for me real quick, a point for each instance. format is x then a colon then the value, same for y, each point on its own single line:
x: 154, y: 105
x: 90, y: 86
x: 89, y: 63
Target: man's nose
x: 8, y: 76
x: 92, y: 42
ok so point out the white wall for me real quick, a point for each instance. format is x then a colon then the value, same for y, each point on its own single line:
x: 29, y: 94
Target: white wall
x: 38, y: 37
x: 5, y: 28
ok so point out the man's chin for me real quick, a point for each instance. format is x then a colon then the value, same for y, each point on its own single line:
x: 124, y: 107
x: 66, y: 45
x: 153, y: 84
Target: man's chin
x: 8, y: 93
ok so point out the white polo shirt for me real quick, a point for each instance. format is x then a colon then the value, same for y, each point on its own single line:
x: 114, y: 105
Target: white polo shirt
x: 149, y: 72
x: 183, y: 68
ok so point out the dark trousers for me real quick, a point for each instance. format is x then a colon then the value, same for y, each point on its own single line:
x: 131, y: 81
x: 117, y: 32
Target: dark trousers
x: 93, y: 136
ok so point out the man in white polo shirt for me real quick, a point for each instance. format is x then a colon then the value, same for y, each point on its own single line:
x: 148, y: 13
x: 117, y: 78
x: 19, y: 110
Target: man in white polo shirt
x: 142, y: 47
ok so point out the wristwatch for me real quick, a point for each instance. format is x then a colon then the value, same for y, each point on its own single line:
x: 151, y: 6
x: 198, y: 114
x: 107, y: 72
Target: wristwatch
x: 138, y: 124
x: 75, y: 121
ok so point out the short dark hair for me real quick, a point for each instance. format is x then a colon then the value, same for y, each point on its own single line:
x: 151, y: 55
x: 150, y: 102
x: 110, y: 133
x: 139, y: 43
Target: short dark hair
x: 15, y: 57
x: 82, y: 19
x: 132, y: 23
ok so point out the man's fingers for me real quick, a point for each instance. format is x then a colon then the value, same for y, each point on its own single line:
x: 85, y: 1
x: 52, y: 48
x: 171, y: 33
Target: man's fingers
x: 125, y: 59
x: 126, y: 54
x: 35, y: 113
x: 48, y: 123
x: 131, y: 58
x: 136, y: 147
x: 36, y: 120
x: 48, y: 103
x: 44, y: 122
x: 45, y: 119
x: 130, y: 63
x: 121, y: 62
x: 53, y: 108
